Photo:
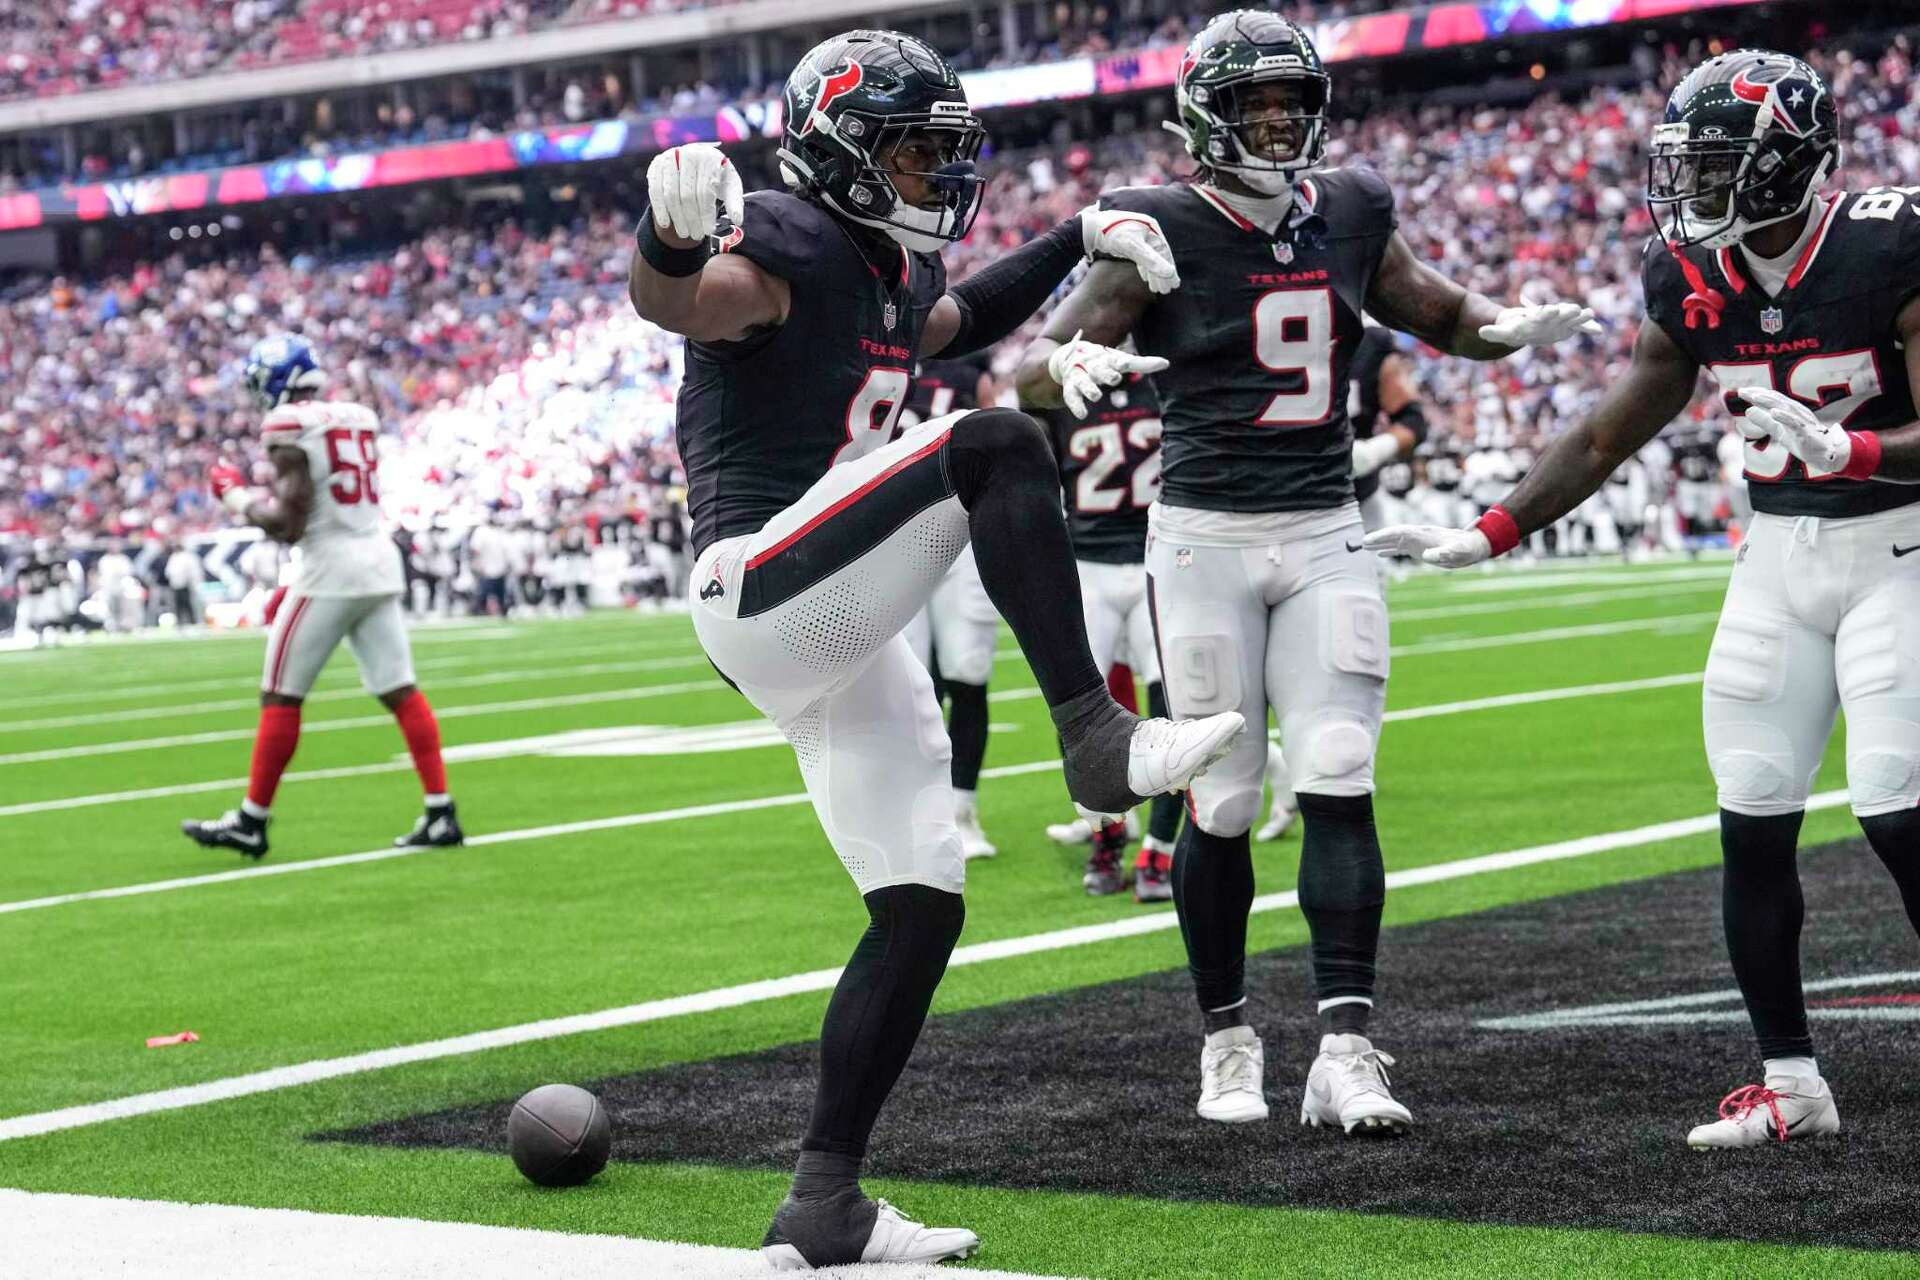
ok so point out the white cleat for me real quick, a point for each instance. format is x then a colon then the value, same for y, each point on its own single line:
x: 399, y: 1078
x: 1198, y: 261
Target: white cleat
x: 1348, y: 1087
x: 1166, y: 755
x: 973, y: 841
x: 895, y: 1238
x: 1278, y: 822
x: 1784, y: 1109
x: 1232, y: 1077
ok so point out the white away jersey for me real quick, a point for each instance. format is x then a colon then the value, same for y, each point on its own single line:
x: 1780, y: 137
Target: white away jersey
x: 345, y: 552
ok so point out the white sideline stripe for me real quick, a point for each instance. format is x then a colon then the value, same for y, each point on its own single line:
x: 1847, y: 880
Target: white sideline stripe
x: 1470, y: 584
x: 796, y: 984
x: 363, y: 722
x: 1003, y: 695
x: 1661, y: 1009
x: 613, y: 823
x: 562, y: 672
x: 68, y: 1235
x: 1674, y: 622
x: 1545, y: 602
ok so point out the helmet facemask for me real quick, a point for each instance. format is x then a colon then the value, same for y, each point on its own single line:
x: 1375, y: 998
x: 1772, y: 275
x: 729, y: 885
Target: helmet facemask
x: 942, y: 149
x: 1265, y: 128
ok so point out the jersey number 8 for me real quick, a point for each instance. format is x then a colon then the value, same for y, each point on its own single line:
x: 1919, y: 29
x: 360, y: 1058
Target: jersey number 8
x: 353, y: 481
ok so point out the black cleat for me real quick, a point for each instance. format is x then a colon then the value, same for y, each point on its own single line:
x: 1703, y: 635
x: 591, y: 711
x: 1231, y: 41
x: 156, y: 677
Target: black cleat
x: 437, y: 828
x: 235, y: 829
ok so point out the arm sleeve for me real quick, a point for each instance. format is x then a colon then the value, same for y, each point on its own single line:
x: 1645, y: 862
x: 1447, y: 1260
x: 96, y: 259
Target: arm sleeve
x: 996, y: 301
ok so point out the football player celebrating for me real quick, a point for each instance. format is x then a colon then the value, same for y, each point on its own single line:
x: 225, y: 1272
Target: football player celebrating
x: 819, y: 536
x: 347, y: 586
x: 1260, y: 595
x: 956, y: 634
x: 1805, y: 308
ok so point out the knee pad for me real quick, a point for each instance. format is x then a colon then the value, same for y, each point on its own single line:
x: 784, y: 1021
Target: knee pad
x: 1754, y: 770
x: 1000, y: 442
x: 1334, y: 755
x: 1883, y: 765
x: 1224, y: 810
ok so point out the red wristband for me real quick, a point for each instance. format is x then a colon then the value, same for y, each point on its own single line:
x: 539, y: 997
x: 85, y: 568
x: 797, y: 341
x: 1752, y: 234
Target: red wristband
x: 1499, y: 529
x: 1865, y: 459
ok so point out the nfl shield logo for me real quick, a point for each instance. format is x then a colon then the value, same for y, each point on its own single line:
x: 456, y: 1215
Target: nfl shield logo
x: 890, y: 313
x: 1283, y: 253
x: 1772, y: 321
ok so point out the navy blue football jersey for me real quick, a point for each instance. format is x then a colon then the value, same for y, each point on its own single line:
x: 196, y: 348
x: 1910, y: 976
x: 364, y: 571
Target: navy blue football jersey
x: 761, y: 419
x: 1109, y: 471
x: 941, y: 387
x: 1261, y: 335
x: 1828, y: 339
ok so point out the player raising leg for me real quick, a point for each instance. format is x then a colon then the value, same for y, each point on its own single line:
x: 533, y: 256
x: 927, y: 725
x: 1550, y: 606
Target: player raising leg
x: 819, y: 536
x: 326, y: 501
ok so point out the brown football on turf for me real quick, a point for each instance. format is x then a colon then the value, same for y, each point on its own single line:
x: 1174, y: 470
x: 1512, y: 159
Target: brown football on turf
x: 559, y: 1135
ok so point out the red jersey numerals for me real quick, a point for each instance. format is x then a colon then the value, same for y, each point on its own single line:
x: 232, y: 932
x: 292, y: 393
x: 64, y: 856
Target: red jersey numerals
x: 355, y: 477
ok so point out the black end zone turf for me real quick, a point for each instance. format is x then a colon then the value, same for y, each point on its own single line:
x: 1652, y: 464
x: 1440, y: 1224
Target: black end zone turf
x: 1583, y: 1126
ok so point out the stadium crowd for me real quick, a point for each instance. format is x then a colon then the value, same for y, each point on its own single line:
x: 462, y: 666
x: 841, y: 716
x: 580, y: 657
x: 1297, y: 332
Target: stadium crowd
x: 519, y: 387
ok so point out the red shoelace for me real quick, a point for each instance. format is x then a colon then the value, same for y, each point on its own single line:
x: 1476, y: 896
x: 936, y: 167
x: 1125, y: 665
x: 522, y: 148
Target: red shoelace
x: 1747, y: 1099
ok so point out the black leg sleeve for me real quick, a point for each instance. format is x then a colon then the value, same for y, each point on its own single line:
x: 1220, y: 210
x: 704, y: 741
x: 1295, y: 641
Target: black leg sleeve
x: 1343, y: 886
x: 874, y: 1017
x: 1896, y: 838
x: 1762, y: 908
x: 967, y: 727
x: 1212, y: 892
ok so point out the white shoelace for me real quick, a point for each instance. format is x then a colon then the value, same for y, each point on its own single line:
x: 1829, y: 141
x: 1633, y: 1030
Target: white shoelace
x: 1367, y: 1071
x: 1233, y: 1068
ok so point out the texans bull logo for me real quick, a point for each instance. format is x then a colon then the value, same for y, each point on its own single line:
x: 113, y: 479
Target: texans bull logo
x: 1788, y: 99
x: 833, y: 85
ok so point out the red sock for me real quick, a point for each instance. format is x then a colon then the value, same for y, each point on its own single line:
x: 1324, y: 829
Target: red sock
x: 422, y: 733
x: 1120, y: 685
x: 273, y: 746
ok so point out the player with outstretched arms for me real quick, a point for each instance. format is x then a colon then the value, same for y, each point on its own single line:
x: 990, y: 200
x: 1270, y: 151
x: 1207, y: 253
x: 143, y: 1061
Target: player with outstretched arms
x: 818, y: 534
x: 347, y: 586
x: 1804, y: 306
x: 1259, y: 591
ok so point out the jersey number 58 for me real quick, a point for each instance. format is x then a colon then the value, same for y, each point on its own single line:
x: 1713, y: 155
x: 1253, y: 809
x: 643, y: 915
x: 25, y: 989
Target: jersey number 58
x: 354, y: 479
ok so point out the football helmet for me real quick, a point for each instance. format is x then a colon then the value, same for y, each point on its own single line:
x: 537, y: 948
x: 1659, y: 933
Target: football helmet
x: 280, y: 365
x: 1229, y: 56
x: 1748, y: 139
x: 855, y: 98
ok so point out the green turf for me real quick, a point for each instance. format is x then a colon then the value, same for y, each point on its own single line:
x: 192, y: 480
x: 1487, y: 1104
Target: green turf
x: 283, y: 969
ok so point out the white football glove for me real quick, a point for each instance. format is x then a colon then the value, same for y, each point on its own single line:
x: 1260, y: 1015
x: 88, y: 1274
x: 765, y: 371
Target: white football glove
x: 1435, y: 544
x: 1796, y: 427
x: 1540, y: 326
x: 1085, y: 370
x: 688, y: 185
x: 1134, y: 237
x: 1374, y: 452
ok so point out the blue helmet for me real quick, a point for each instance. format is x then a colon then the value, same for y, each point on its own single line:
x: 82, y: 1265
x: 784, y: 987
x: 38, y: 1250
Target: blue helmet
x: 281, y: 365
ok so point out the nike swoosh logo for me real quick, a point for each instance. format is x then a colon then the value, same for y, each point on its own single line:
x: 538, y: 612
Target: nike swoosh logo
x: 1355, y: 546
x: 1899, y: 551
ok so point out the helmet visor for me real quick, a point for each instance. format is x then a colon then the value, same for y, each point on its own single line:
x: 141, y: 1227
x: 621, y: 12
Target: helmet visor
x: 1692, y: 182
x: 930, y: 166
x: 1276, y: 119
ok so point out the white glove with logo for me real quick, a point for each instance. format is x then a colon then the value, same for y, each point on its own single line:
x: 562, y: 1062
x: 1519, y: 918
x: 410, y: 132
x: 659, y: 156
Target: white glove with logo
x: 1796, y: 427
x: 1135, y: 237
x: 688, y: 185
x: 1435, y: 544
x: 1540, y: 326
x: 1085, y: 370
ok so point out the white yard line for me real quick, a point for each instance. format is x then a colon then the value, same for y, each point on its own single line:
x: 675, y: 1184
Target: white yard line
x: 364, y: 722
x: 1398, y: 615
x: 55, y: 1236
x: 566, y: 672
x: 1673, y: 622
x: 312, y: 1072
x: 1677, y: 622
x: 1003, y: 695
